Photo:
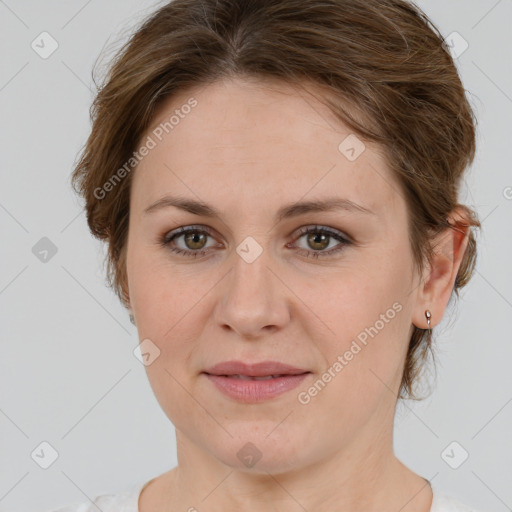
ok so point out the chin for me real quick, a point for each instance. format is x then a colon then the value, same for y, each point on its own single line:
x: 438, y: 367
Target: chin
x: 256, y: 452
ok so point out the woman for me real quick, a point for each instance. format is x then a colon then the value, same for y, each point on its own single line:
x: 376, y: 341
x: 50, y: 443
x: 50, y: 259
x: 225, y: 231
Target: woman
x: 277, y: 182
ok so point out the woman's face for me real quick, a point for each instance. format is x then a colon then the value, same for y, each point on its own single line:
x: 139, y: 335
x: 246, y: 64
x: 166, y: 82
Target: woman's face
x: 247, y: 287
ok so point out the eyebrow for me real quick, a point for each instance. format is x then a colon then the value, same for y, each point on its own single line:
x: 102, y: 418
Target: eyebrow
x: 285, y: 212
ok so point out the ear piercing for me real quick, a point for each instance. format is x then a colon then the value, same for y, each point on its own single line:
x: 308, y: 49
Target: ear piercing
x: 428, y: 314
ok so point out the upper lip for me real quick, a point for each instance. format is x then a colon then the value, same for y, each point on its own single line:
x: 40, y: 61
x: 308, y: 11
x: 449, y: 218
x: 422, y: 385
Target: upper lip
x: 261, y: 369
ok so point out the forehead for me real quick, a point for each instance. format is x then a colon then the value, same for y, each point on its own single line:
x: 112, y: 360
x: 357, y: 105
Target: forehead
x: 244, y: 141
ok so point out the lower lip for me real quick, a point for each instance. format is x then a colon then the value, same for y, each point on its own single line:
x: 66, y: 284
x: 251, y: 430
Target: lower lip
x: 250, y: 391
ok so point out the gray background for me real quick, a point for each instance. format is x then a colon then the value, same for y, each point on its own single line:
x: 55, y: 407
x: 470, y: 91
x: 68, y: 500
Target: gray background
x: 68, y: 375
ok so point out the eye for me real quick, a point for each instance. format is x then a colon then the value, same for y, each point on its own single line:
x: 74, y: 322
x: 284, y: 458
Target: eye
x: 195, y: 238
x: 319, y: 238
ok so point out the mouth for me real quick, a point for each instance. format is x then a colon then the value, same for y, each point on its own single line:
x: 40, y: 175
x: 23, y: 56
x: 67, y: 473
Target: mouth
x: 254, y: 382
x: 248, y: 388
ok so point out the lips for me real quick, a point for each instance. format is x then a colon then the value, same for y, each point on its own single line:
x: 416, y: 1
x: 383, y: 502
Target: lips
x: 253, y: 383
x: 264, y: 369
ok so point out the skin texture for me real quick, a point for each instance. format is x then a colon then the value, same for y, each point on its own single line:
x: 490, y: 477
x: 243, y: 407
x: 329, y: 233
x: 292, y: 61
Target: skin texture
x: 248, y: 147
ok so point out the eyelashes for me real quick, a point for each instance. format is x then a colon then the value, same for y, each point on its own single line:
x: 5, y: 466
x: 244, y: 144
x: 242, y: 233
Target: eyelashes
x: 190, y: 234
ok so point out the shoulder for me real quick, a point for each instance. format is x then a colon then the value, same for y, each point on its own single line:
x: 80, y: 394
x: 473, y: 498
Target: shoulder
x: 125, y: 501
x: 443, y: 502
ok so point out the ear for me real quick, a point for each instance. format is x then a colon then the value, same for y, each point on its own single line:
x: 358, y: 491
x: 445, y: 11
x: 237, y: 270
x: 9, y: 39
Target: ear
x: 439, y: 277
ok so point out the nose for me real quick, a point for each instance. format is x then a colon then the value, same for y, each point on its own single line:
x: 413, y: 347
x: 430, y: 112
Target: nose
x: 253, y: 301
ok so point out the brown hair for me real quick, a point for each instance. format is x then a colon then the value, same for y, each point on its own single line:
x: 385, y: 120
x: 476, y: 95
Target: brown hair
x: 383, y: 57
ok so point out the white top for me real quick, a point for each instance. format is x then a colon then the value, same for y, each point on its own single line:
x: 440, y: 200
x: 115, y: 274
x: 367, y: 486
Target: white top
x: 128, y: 501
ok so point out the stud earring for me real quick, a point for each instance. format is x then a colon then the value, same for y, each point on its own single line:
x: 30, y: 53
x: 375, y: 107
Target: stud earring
x: 428, y: 314
x: 132, y: 319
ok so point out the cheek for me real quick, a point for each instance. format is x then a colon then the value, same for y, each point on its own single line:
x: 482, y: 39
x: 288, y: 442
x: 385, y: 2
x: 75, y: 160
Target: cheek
x: 368, y: 316
x: 165, y: 315
x: 363, y: 358
x: 172, y: 310
x: 154, y: 291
